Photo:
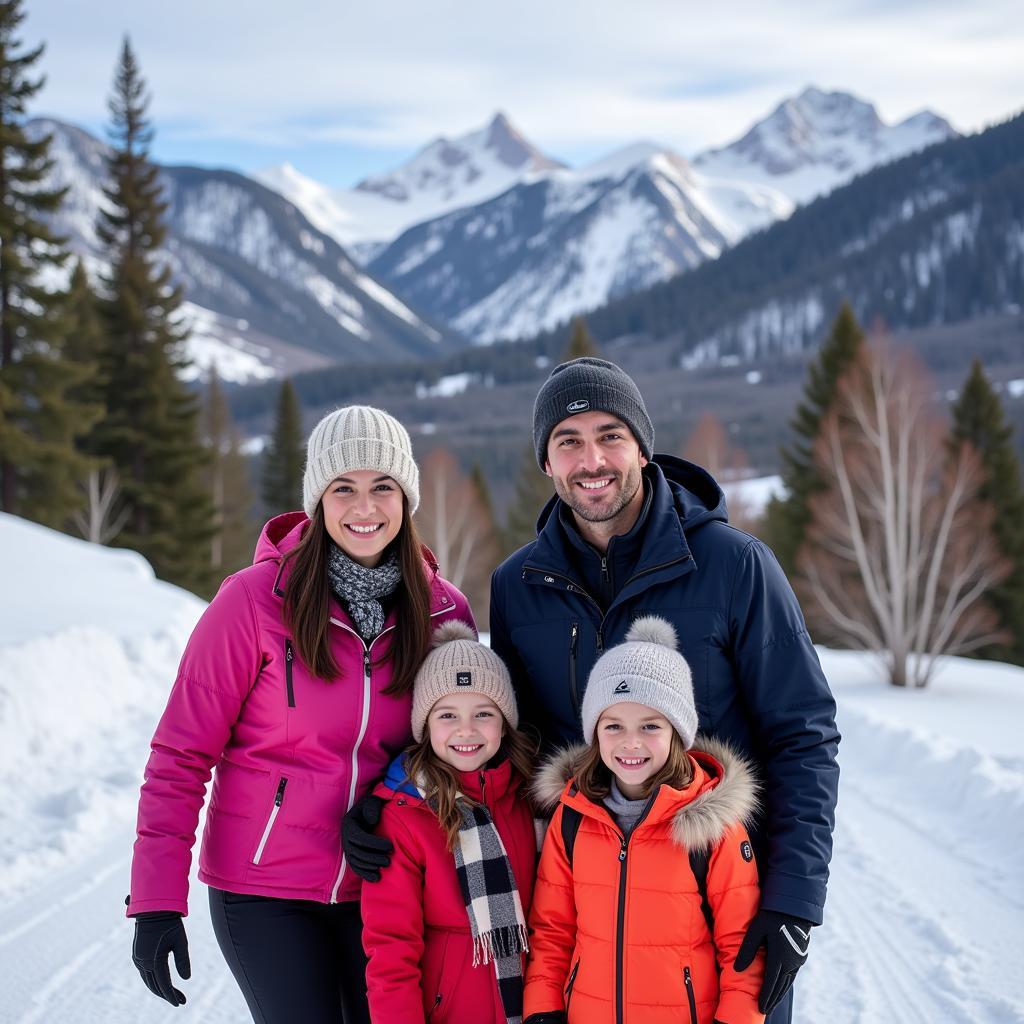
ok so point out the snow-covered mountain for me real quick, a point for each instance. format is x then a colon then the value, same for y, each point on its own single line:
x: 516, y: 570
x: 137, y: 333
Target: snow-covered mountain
x: 570, y: 240
x: 268, y: 292
x: 564, y: 242
x: 443, y: 176
x: 812, y: 143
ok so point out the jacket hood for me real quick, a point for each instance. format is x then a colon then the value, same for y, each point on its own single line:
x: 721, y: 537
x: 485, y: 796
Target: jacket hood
x: 692, y: 491
x: 279, y: 535
x: 730, y: 799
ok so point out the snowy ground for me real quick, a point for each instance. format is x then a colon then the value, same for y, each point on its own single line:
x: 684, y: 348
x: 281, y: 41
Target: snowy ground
x: 925, y: 919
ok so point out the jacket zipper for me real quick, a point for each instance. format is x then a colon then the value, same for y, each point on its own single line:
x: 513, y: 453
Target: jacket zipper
x: 689, y: 995
x: 568, y: 987
x: 274, y: 811
x: 574, y: 691
x: 364, y: 722
x: 289, y: 657
x: 620, y: 924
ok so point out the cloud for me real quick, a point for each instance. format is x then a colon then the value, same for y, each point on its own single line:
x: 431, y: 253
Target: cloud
x: 570, y: 73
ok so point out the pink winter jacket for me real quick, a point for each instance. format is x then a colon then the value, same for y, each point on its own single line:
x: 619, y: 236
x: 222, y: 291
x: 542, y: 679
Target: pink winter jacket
x: 292, y: 752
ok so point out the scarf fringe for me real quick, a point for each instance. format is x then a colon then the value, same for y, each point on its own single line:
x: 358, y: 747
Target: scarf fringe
x: 500, y: 943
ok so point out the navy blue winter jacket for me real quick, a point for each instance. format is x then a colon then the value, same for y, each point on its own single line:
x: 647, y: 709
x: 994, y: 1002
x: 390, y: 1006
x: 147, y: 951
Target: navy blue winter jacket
x: 757, y: 681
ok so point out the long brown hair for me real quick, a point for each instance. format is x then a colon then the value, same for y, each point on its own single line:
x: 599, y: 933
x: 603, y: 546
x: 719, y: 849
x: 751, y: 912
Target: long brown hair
x: 307, y: 603
x: 593, y: 778
x: 440, y: 782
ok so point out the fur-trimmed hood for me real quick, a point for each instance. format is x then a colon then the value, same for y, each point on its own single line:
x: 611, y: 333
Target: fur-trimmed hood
x: 697, y: 825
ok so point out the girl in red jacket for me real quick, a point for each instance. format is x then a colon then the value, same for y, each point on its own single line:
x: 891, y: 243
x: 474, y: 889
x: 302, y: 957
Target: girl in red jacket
x: 445, y: 927
x: 622, y: 931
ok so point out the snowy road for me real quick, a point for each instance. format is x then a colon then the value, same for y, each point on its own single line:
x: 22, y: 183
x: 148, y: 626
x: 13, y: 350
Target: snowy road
x: 924, y: 914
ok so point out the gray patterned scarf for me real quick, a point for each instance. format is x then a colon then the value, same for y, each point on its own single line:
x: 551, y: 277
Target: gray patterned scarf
x: 361, y: 589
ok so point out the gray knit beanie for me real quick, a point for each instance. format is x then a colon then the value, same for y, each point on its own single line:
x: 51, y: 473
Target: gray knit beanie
x: 459, y: 663
x: 583, y: 385
x: 358, y: 437
x: 645, y: 669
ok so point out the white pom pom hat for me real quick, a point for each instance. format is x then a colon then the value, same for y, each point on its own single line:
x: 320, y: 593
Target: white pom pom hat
x: 459, y: 663
x: 645, y: 669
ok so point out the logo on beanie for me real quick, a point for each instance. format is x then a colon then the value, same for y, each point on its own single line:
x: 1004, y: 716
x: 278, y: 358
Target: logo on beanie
x: 623, y: 687
x: 580, y: 405
x: 746, y: 852
x: 463, y: 678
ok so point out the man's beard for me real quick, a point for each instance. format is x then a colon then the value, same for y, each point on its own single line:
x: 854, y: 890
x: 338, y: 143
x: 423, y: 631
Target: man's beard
x: 601, y: 513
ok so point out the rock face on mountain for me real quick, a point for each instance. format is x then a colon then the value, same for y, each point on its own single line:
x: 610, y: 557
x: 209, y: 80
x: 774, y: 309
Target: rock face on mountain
x: 260, y: 278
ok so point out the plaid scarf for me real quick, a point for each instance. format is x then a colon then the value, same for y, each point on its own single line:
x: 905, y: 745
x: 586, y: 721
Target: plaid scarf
x: 360, y: 589
x: 495, y: 913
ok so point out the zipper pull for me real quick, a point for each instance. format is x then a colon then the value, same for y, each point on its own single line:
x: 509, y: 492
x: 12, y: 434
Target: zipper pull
x: 604, y: 568
x: 289, y: 654
x: 572, y: 639
x: 622, y: 850
x: 279, y: 795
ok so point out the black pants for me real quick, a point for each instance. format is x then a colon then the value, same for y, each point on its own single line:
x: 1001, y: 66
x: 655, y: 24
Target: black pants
x: 294, y: 960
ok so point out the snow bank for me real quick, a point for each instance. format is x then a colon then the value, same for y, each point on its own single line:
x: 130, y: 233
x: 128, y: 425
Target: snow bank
x: 89, y: 641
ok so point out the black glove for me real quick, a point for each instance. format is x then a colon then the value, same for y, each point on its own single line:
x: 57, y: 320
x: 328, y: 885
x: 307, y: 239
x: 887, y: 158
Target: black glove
x: 157, y: 934
x: 551, y: 1017
x: 785, y: 939
x: 366, y: 853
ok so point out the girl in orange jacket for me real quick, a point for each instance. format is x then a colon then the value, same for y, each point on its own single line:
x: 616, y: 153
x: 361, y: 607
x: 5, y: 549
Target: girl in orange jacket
x: 445, y: 927
x: 622, y: 931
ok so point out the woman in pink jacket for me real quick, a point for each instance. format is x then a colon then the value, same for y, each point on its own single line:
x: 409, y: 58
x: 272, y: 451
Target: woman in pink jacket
x: 296, y: 687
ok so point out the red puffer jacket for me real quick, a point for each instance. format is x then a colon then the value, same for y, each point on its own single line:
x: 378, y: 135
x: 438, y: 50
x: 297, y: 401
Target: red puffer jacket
x: 620, y: 937
x: 415, y: 928
x: 292, y: 752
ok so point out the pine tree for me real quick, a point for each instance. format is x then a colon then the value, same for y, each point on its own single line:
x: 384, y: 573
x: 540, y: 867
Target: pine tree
x: 786, y: 519
x: 979, y: 419
x: 284, y: 458
x: 40, y: 468
x: 227, y: 478
x: 150, y: 432
x: 533, y: 491
x: 581, y: 341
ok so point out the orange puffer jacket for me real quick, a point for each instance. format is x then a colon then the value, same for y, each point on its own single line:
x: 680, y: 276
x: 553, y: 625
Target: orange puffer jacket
x: 620, y: 937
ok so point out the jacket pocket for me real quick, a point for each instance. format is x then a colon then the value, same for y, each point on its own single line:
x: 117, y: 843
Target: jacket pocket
x: 269, y: 827
x: 690, y: 997
x: 437, y: 996
x: 574, y: 693
x: 569, y: 986
x: 289, y: 659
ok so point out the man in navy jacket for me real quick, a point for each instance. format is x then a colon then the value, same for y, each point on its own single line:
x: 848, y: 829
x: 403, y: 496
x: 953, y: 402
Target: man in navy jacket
x: 631, y: 533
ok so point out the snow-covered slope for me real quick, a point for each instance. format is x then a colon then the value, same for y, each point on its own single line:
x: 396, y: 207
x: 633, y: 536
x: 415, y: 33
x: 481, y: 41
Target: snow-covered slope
x: 443, y: 176
x: 270, y: 292
x: 816, y: 141
x: 923, y: 921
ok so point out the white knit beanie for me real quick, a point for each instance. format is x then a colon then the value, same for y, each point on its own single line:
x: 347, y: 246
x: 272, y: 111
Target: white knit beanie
x: 645, y: 669
x: 358, y: 437
x: 459, y: 663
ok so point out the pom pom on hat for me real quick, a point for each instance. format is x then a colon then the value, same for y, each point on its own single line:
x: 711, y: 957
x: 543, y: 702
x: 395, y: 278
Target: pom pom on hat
x: 453, y: 629
x: 653, y: 629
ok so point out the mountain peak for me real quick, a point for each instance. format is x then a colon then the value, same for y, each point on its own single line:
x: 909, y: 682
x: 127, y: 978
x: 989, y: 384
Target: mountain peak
x: 818, y: 139
x: 485, y: 160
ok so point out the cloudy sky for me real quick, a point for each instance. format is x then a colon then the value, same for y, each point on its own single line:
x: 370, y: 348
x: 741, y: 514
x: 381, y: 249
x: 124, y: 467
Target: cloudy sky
x: 345, y: 89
